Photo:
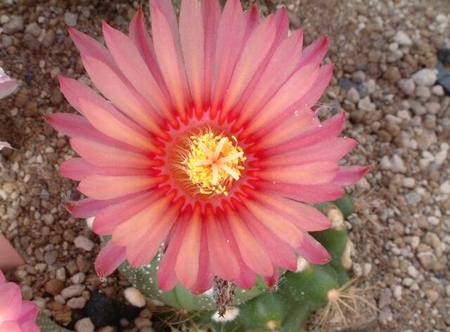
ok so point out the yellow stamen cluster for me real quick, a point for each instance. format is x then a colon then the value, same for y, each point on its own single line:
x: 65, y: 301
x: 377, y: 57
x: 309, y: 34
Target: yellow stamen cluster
x: 213, y: 163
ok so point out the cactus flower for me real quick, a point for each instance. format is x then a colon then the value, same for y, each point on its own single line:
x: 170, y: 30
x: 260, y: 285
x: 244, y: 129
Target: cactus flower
x: 16, y: 315
x: 202, y: 144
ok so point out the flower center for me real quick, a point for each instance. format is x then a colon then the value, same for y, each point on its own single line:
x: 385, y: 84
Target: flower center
x: 213, y: 162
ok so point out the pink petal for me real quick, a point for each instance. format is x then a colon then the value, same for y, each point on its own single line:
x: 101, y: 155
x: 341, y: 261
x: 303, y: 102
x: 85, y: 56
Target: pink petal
x: 86, y: 208
x: 296, y: 87
x: 204, y: 276
x: 125, y: 233
x: 253, y: 255
x: 30, y: 327
x: 246, y: 278
x: 222, y: 259
x: 109, y: 259
x: 107, y: 156
x: 28, y: 312
x: 78, y: 169
x: 7, y: 85
x: 10, y: 326
x: 301, y: 122
x: 211, y: 17
x: 280, y: 253
x: 253, y: 54
x: 113, y: 215
x: 278, y: 224
x: 88, y: 46
x: 167, y: 278
x: 308, y: 100
x: 116, y: 126
x: 305, y: 217
x: 305, y: 193
x: 192, y: 37
x: 10, y: 301
x: 145, y: 247
x: 132, y: 65
x: 2, y: 277
x: 320, y: 172
x: 122, y: 94
x: 314, y: 53
x: 332, y: 149
x: 168, y: 52
x: 348, y: 175
x: 140, y: 36
x: 313, y: 251
x: 327, y: 130
x: 230, y: 36
x: 188, y: 259
x: 109, y: 187
x: 271, y: 78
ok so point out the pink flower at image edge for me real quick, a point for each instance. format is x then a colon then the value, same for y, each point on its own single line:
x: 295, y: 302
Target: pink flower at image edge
x: 16, y: 315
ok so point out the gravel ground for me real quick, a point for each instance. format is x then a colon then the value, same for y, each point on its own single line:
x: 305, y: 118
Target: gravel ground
x: 384, y: 52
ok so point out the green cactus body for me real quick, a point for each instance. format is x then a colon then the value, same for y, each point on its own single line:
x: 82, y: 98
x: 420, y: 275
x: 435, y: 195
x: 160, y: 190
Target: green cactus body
x: 145, y: 279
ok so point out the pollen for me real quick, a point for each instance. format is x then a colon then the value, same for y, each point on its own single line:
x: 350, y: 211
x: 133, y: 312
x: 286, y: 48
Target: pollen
x: 213, y: 162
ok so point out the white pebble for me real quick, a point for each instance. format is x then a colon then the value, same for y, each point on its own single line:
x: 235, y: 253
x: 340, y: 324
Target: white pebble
x: 84, y: 325
x: 134, y: 296
x: 83, y: 243
x: 425, y: 77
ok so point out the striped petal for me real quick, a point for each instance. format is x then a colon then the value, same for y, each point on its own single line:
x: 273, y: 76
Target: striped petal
x: 109, y: 187
x: 109, y: 259
x: 348, y: 175
x: 192, y: 37
x: 313, y: 251
x: 188, y: 258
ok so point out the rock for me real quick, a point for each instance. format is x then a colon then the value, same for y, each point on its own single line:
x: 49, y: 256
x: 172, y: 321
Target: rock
x: 397, y: 164
x: 14, y: 25
x: 433, y: 107
x: 84, y: 325
x: 437, y: 90
x: 49, y: 38
x: 412, y: 198
x: 409, y: 182
x: 402, y: 39
x: 72, y: 291
x: 359, y: 76
x: 445, y: 187
x: 50, y: 257
x: 61, y: 274
x: 423, y: 92
x: 392, y: 74
x: 70, y: 19
x: 353, y: 95
x: 412, y: 272
x: 425, y: 77
x: 76, y: 302
x: 142, y: 322
x: 385, y: 298
x: 407, y: 86
x: 365, y: 104
x: 134, y: 297
x: 33, y: 29
x: 397, y: 292
x: 83, y: 243
x: 432, y: 295
x: 54, y: 286
x: 417, y: 107
x: 385, y: 315
x: 78, y: 278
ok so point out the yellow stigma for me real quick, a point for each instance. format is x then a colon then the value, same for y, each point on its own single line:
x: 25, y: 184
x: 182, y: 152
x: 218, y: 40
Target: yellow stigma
x: 213, y: 163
